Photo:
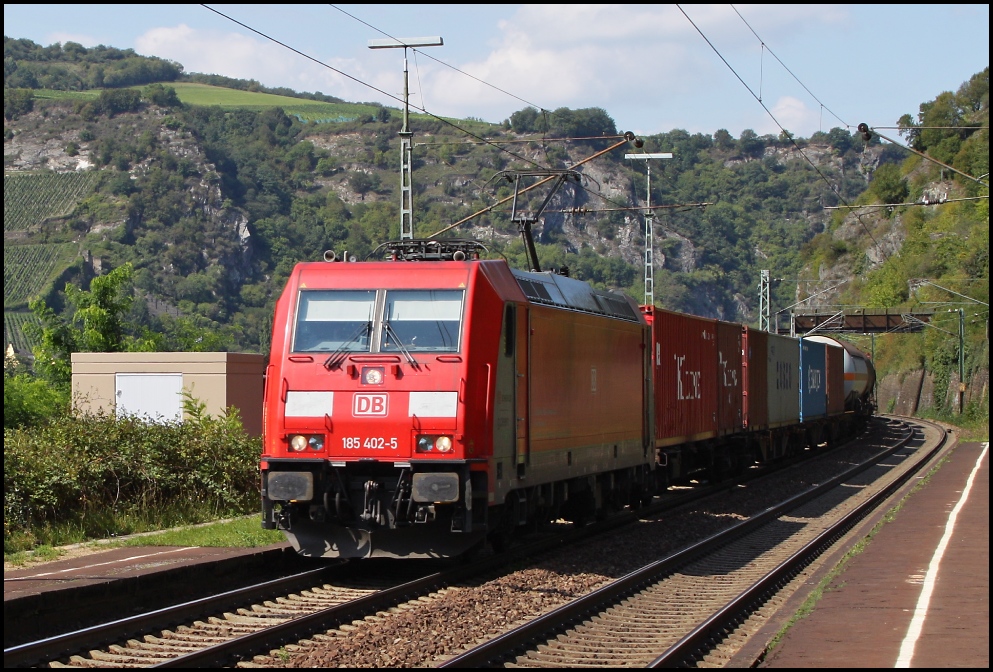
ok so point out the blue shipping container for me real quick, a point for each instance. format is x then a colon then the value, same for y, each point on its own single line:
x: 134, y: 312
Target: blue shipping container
x: 813, y: 380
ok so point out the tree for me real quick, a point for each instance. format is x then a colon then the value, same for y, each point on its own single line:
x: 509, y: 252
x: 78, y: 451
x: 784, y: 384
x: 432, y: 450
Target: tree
x: 362, y: 183
x: 116, y: 101
x: 17, y: 102
x: 750, y: 144
x: 57, y: 340
x: 723, y: 140
x: 29, y: 401
x: 888, y: 185
x: 165, y: 96
x: 840, y: 139
x: 96, y: 324
x: 524, y: 121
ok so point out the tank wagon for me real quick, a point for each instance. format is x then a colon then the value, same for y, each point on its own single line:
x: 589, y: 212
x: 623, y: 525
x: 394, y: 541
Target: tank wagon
x: 423, y: 405
x: 859, y: 375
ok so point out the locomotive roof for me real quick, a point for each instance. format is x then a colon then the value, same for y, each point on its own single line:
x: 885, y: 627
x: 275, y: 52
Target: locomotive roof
x: 537, y: 287
x: 565, y: 292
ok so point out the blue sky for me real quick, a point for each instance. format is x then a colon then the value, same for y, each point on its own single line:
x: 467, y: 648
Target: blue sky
x: 653, y: 68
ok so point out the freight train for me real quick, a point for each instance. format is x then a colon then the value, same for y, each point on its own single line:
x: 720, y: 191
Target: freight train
x: 429, y: 403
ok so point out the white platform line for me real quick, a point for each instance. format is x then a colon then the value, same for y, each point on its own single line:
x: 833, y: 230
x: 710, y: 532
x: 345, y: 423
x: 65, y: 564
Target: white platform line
x: 109, y: 562
x: 920, y: 611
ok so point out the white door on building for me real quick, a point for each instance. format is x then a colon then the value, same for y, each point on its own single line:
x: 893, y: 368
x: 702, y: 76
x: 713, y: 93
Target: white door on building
x: 152, y: 396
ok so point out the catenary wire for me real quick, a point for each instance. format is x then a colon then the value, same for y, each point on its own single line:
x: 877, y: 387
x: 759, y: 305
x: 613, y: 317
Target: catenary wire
x: 378, y: 90
x: 544, y: 111
x: 766, y: 47
x: 366, y: 84
x: 786, y: 133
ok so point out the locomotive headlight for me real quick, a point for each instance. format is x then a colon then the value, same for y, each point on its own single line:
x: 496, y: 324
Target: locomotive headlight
x: 373, y: 375
x: 428, y: 444
x: 300, y: 442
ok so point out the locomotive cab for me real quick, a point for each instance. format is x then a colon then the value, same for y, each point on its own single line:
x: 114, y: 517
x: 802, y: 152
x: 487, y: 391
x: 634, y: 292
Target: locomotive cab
x: 367, y: 438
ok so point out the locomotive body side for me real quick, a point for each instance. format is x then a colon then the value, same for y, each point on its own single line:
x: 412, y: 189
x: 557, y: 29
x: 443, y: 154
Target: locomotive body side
x: 582, y: 429
x: 584, y: 412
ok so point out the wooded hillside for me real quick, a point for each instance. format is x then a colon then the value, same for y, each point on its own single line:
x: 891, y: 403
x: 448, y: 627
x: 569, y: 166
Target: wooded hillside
x: 213, y: 203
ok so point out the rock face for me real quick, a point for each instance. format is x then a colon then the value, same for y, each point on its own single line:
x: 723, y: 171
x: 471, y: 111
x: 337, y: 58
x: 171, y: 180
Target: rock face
x: 56, y: 139
x: 908, y: 392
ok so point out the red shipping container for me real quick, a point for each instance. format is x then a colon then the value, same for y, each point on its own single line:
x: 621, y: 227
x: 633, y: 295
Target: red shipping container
x: 754, y: 383
x: 684, y: 364
x: 729, y: 418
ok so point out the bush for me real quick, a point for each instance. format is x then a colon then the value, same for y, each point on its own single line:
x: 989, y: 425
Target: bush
x: 17, y: 102
x: 96, y: 471
x: 29, y: 401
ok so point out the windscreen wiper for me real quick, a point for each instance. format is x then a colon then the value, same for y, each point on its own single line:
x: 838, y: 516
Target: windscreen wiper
x: 338, y: 356
x: 400, y: 346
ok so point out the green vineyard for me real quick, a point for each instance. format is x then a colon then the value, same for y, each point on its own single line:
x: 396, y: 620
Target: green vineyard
x: 28, y: 270
x: 30, y: 199
x: 13, y: 329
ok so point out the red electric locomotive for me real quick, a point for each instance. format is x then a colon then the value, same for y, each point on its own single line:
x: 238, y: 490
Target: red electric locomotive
x: 417, y: 406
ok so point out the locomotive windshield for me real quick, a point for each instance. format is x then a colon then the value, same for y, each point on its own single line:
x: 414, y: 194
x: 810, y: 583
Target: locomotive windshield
x: 422, y: 319
x: 399, y: 321
x: 334, y: 320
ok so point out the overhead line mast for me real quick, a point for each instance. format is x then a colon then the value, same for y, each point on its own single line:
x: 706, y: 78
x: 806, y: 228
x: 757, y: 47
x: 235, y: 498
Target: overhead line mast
x: 406, y: 191
x: 649, y: 227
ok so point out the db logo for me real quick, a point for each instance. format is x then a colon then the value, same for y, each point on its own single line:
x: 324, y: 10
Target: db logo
x: 370, y: 404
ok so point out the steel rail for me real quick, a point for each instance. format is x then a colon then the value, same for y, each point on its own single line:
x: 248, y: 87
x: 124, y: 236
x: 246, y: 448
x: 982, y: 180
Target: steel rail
x: 66, y: 644
x: 515, y: 641
x: 304, y: 626
x: 689, y: 648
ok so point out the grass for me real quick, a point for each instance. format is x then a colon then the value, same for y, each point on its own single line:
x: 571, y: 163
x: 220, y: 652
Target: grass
x: 972, y: 425
x: 193, y: 93
x: 827, y: 583
x: 309, y: 110
x: 244, y: 532
x: 315, y: 111
x: 54, y: 94
x: 111, y: 526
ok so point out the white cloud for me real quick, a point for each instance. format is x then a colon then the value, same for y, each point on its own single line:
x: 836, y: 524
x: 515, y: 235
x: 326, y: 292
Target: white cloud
x: 240, y: 56
x: 643, y: 58
x: 644, y: 64
x: 795, y: 116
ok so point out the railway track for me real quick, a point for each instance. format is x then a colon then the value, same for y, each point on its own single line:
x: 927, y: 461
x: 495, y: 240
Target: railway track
x: 290, y: 624
x: 689, y: 609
